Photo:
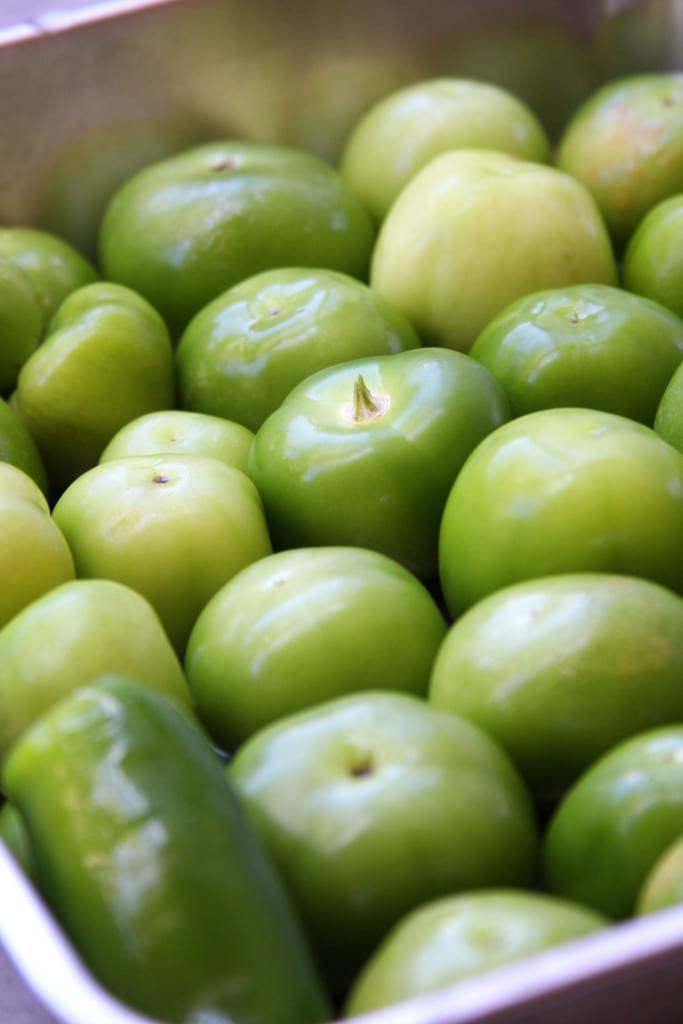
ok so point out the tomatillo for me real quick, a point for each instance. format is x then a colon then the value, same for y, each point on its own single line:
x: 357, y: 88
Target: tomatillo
x: 669, y: 415
x: 615, y: 822
x: 34, y: 555
x: 21, y: 322
x: 300, y: 627
x: 560, y: 669
x: 447, y: 940
x: 18, y: 447
x: 410, y: 126
x: 562, y: 491
x: 241, y: 355
x: 663, y: 886
x: 365, y: 453
x: 653, y: 261
x: 476, y: 229
x: 186, y: 228
x: 586, y: 345
x: 71, y: 635
x: 54, y: 267
x: 177, y: 432
x: 106, y: 359
x: 625, y: 144
x: 371, y: 804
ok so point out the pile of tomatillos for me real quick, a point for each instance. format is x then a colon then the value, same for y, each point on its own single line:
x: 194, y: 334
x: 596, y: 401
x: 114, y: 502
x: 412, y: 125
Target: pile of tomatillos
x: 341, y: 548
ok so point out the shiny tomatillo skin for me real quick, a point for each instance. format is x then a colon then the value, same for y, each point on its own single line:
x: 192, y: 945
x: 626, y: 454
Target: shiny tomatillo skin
x: 364, y: 454
x: 614, y: 823
x: 21, y: 322
x: 562, y: 491
x: 157, y: 878
x: 185, y: 229
x: 242, y: 354
x: 560, y: 669
x: 625, y: 144
x: 54, y: 267
x: 448, y: 940
x: 374, y: 803
x: 586, y: 345
x: 18, y: 448
x: 106, y: 359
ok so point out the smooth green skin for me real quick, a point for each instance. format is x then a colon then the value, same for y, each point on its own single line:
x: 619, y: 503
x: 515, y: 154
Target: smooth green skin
x: 329, y: 476
x: 16, y: 482
x: 157, y: 880
x: 562, y: 491
x: 13, y: 835
x: 178, y: 432
x: 67, y: 638
x: 560, y: 669
x: 18, y: 448
x: 653, y: 261
x: 663, y: 886
x: 176, y: 529
x: 186, y: 228
x: 406, y: 129
x: 475, y: 230
x: 301, y: 627
x: 586, y: 345
x: 243, y: 353
x: 34, y: 554
x: 615, y: 821
x: 372, y: 804
x: 449, y: 940
x: 106, y: 360
x: 54, y: 267
x: 625, y: 144
x: 669, y: 416
x: 21, y: 322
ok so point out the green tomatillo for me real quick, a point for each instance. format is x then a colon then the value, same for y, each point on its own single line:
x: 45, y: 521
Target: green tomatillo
x: 372, y: 804
x: 457, y: 937
x: 70, y: 636
x: 107, y: 359
x: 178, y: 432
x: 18, y: 447
x: 242, y: 354
x: 364, y: 453
x: 54, y: 267
x: 475, y: 230
x: 21, y: 322
x: 300, y: 627
x: 663, y: 885
x: 559, y: 669
x: 653, y: 261
x: 614, y: 823
x: 185, y: 229
x: 174, y: 528
x: 563, y: 491
x: 625, y: 144
x: 410, y: 126
x: 34, y: 553
x: 669, y: 416
x: 585, y: 345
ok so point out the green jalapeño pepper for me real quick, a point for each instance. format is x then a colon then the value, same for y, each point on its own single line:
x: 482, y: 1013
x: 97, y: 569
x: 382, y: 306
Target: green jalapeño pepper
x: 141, y: 849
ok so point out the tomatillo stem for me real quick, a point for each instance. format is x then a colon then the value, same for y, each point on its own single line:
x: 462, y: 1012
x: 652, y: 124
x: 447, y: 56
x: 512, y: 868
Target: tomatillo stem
x: 366, y: 406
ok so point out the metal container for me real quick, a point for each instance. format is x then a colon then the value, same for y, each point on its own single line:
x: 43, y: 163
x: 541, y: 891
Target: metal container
x: 89, y: 92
